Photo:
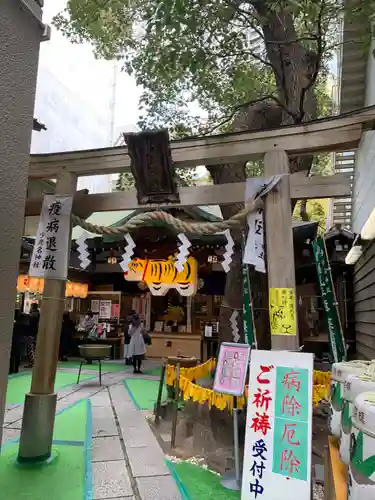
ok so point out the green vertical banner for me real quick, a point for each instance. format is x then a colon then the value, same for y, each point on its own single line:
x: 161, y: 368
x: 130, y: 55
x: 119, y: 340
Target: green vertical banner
x: 327, y: 290
x: 248, y: 313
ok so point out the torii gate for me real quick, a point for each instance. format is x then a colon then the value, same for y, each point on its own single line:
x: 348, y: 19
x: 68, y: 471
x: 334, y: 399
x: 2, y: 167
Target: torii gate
x: 276, y: 146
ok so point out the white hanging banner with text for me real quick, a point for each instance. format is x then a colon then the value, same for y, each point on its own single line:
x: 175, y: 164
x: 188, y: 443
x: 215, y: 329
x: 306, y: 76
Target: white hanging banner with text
x: 254, y: 248
x: 277, y: 458
x: 52, y: 242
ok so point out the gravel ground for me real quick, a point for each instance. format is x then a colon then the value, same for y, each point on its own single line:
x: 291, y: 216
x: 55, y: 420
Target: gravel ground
x: 318, y: 492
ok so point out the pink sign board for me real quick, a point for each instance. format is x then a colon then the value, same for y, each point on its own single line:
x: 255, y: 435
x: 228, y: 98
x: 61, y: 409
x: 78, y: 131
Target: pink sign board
x: 115, y: 310
x: 231, y: 368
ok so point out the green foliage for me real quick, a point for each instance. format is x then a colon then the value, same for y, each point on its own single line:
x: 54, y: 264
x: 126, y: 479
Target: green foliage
x: 185, y: 177
x: 195, y: 51
x: 125, y: 182
x: 196, y: 59
x: 315, y: 211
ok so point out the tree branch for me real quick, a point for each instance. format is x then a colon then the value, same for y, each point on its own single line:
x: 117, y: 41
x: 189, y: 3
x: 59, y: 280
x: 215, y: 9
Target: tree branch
x: 319, y: 55
x: 234, y: 110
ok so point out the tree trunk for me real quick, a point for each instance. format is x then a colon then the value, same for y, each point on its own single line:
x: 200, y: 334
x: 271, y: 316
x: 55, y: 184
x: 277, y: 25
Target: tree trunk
x: 294, y: 67
x: 226, y: 174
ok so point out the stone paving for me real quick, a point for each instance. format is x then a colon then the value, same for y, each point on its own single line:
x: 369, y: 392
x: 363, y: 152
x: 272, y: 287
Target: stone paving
x: 127, y: 461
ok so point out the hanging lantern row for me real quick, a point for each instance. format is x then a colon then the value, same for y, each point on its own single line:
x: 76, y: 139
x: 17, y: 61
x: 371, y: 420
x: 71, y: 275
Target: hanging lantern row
x: 36, y: 285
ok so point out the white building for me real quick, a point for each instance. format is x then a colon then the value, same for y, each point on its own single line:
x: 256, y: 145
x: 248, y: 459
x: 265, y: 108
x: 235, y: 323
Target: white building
x: 78, y: 99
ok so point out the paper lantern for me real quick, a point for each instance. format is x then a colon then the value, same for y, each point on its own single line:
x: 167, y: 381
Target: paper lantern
x: 84, y: 290
x: 69, y: 289
x: 26, y: 284
x: 22, y: 283
x: 76, y: 289
x: 34, y: 285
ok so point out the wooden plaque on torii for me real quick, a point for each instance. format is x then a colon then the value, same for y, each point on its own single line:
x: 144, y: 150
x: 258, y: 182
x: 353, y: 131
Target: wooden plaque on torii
x: 152, y: 167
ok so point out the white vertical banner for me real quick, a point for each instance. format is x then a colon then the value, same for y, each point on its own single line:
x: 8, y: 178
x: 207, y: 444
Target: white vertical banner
x: 254, y: 253
x: 278, y: 436
x: 52, y: 244
x: 254, y: 248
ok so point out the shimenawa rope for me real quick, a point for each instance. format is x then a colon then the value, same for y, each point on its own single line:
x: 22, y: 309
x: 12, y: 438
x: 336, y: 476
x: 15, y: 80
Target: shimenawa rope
x: 199, y: 228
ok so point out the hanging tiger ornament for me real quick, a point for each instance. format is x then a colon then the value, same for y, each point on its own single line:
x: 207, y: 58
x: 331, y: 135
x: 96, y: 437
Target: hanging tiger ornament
x: 162, y: 275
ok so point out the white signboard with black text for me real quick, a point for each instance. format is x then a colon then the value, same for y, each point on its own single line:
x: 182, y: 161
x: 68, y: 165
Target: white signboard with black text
x: 277, y: 458
x: 105, y: 309
x: 52, y: 243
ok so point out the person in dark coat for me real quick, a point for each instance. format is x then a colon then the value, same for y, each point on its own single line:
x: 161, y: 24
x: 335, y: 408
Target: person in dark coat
x: 66, y: 336
x: 128, y: 359
x: 20, y: 332
x: 32, y: 333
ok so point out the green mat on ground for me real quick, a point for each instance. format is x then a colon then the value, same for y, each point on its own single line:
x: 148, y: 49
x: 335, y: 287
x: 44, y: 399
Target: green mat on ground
x: 67, y: 477
x: 143, y: 392
x: 68, y: 423
x: 19, y: 385
x: 106, y: 367
x: 196, y: 483
x: 156, y: 372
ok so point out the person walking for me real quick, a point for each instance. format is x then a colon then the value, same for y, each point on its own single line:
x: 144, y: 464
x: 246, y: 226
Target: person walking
x: 32, y: 333
x: 66, y: 336
x: 137, y: 345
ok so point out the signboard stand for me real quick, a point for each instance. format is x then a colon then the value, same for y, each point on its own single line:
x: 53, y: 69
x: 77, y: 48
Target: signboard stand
x: 230, y: 377
x: 232, y: 479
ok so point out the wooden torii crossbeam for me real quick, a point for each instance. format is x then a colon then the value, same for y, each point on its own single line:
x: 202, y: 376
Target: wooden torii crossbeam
x: 341, y: 133
x: 301, y: 187
x: 330, y: 134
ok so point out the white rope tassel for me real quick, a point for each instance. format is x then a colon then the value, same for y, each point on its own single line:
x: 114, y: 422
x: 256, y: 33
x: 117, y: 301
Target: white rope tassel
x: 83, y: 250
x: 183, y: 252
x: 128, y: 253
x: 227, y: 257
x: 233, y: 323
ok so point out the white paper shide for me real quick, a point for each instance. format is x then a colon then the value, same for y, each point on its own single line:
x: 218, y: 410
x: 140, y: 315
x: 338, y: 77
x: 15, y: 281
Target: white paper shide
x: 83, y: 250
x: 52, y: 243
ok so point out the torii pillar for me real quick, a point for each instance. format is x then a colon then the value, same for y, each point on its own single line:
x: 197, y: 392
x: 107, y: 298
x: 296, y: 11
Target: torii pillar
x: 21, y: 32
x: 279, y: 237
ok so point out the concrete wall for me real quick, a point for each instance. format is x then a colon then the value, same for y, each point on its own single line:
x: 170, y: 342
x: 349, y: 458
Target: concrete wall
x: 364, y: 183
x: 20, y: 36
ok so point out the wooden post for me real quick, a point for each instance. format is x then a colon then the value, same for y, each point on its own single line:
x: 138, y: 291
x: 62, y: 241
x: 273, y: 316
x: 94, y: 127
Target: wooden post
x: 160, y: 391
x: 279, y: 234
x: 40, y: 403
x: 176, y: 404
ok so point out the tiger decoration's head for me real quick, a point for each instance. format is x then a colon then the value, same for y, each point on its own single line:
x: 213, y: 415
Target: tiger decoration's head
x: 136, y: 270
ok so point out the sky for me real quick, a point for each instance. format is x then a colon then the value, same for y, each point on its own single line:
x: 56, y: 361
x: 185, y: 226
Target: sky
x: 89, y: 79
